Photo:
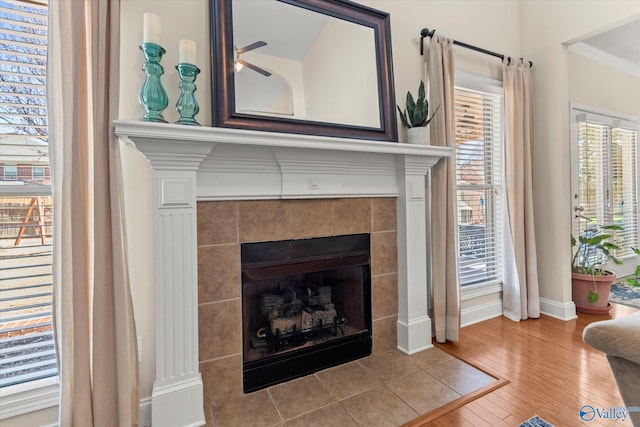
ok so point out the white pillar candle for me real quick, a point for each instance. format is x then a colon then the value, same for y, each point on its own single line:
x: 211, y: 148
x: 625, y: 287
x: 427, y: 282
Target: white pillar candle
x: 187, y: 51
x: 151, y: 28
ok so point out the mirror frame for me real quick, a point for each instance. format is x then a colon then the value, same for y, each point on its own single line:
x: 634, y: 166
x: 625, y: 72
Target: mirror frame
x: 223, y: 74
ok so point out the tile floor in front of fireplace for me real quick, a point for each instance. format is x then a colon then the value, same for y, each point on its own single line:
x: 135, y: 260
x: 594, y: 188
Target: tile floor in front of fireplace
x: 388, y: 389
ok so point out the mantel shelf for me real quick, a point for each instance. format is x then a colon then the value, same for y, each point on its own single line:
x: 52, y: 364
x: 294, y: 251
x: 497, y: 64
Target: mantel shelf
x: 134, y: 131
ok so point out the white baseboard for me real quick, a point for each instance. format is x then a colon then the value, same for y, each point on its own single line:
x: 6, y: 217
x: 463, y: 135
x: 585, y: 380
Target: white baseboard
x: 562, y: 311
x: 144, y: 412
x: 415, y: 336
x: 179, y: 403
x: 480, y: 313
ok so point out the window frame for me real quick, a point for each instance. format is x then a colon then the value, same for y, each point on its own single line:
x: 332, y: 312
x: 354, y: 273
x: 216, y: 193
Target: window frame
x: 41, y: 394
x: 39, y: 176
x: 473, y: 82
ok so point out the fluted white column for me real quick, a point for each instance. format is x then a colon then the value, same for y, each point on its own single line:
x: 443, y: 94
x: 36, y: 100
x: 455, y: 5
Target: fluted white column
x: 177, y: 396
x: 414, y: 323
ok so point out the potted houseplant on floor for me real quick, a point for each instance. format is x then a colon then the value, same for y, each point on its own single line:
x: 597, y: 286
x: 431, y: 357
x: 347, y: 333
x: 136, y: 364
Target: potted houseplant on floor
x: 590, y: 280
x: 415, y: 117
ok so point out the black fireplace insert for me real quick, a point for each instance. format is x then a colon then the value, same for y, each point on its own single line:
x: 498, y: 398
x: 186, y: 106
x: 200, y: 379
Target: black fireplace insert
x: 306, y: 306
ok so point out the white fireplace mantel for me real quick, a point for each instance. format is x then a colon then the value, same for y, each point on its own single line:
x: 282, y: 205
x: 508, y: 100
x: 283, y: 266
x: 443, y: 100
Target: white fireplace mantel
x: 192, y: 163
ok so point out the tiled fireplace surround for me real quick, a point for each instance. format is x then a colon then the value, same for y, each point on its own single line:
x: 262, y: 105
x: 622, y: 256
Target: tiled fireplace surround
x: 223, y: 226
x: 217, y: 188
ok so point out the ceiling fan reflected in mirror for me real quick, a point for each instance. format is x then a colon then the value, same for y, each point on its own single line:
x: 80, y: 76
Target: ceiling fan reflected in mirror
x: 242, y: 63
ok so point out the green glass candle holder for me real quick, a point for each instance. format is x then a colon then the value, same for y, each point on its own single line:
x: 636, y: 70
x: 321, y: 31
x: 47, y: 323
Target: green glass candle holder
x: 153, y: 97
x: 187, y: 105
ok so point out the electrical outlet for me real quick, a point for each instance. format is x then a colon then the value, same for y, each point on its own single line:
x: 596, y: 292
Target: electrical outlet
x: 313, y: 182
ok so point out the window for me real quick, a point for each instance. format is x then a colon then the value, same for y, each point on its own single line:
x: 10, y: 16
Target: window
x: 10, y: 172
x: 478, y: 107
x: 37, y: 173
x: 27, y: 356
x: 605, y: 175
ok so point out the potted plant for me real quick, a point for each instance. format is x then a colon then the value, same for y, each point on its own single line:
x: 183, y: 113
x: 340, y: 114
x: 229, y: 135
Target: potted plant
x: 590, y: 280
x: 415, y: 117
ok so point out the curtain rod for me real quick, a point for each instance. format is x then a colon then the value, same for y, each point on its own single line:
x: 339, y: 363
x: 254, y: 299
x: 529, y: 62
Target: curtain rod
x: 426, y: 33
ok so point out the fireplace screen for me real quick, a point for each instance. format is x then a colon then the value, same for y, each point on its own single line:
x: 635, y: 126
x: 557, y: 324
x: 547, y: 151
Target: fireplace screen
x: 306, y: 306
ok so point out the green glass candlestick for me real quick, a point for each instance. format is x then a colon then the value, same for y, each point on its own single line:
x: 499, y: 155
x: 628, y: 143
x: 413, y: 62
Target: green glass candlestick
x: 153, y: 97
x: 187, y: 105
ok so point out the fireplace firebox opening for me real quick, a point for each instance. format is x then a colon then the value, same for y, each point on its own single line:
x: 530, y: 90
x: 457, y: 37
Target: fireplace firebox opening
x: 306, y: 306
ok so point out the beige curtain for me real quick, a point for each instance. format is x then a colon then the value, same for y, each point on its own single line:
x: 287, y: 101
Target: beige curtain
x: 520, y: 291
x: 93, y: 313
x: 444, y: 274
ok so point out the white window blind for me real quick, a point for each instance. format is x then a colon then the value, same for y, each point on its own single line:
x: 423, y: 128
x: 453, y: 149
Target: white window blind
x: 479, y: 185
x: 23, y: 59
x: 27, y: 353
x: 607, y: 162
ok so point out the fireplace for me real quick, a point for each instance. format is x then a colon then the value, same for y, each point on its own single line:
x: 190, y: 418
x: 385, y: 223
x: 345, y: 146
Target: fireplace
x: 195, y: 360
x: 306, y: 306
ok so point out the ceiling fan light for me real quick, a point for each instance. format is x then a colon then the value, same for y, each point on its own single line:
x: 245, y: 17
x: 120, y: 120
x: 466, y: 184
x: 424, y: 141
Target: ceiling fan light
x: 239, y: 67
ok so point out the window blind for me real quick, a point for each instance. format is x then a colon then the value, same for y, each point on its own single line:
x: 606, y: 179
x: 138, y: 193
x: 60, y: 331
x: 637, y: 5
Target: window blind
x: 23, y: 58
x: 479, y: 185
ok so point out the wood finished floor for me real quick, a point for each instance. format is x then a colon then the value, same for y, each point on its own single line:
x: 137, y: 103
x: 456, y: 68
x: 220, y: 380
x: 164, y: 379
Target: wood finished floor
x: 551, y: 372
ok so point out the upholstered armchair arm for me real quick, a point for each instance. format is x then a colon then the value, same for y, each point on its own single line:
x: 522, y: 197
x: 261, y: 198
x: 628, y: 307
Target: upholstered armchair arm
x: 618, y: 337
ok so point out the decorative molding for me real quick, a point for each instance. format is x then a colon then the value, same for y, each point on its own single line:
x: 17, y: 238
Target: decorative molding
x: 562, y: 311
x: 605, y: 58
x: 144, y: 412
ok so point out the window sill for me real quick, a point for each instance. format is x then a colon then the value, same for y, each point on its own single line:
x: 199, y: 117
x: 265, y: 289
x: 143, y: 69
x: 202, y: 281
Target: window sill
x: 29, y: 397
x: 475, y: 291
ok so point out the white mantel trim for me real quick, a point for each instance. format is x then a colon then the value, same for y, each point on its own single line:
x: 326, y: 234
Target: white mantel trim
x: 138, y: 131
x: 191, y: 163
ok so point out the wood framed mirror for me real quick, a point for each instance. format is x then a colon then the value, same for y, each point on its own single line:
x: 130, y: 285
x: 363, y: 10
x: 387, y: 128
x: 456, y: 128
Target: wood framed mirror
x: 318, y: 67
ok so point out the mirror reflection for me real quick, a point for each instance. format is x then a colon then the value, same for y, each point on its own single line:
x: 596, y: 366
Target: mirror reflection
x: 296, y: 63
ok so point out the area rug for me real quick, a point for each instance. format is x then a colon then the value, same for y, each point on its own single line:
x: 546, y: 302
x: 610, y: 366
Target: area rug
x: 535, y: 422
x: 621, y: 293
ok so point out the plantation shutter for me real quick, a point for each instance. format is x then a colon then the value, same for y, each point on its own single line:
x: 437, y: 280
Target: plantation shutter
x: 479, y: 185
x: 23, y: 57
x: 607, y: 173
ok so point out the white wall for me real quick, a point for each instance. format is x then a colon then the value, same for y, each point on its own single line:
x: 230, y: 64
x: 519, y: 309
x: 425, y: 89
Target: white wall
x: 546, y: 25
x: 534, y: 29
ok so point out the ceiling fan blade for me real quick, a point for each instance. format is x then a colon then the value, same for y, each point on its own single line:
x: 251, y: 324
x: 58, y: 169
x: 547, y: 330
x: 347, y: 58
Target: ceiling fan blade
x: 253, y: 67
x: 251, y: 46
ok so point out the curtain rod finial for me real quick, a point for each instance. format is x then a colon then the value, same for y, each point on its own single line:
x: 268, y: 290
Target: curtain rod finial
x: 426, y: 33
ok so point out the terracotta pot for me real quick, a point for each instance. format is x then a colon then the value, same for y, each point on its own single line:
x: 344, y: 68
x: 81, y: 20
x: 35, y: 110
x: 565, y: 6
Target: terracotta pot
x: 581, y: 284
x: 419, y: 135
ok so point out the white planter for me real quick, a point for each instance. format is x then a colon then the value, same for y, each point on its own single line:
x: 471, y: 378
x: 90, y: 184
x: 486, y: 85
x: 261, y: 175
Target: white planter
x: 418, y: 135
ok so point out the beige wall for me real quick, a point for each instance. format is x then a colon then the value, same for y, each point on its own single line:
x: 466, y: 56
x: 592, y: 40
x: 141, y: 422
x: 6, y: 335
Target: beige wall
x: 535, y: 29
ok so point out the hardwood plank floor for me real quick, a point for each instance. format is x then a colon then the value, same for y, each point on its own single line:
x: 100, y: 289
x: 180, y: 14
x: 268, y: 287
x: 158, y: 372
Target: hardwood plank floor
x: 551, y: 372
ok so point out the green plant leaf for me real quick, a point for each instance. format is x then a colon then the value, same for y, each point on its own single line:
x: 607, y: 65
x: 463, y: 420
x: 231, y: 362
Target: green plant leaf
x: 612, y: 227
x: 421, y: 93
x: 573, y: 239
x: 593, y: 297
x: 594, y: 240
x: 411, y: 105
x: 633, y: 281
x: 403, y: 117
x: 431, y: 118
